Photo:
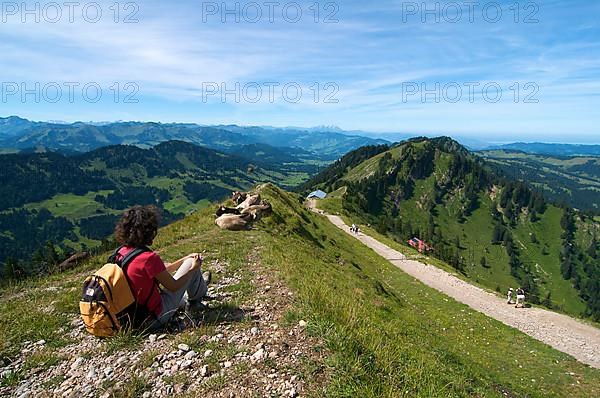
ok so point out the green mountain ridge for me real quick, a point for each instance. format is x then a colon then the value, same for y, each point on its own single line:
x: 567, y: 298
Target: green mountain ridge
x: 496, y: 231
x: 567, y: 179
x: 73, y: 201
x: 381, y: 332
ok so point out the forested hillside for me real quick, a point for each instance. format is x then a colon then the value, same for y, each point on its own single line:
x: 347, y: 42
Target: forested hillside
x: 497, y: 231
x: 572, y: 180
x: 53, y: 204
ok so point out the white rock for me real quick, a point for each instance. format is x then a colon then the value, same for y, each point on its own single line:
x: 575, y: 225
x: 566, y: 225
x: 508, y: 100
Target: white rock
x: 186, y: 364
x: 40, y: 342
x: 258, y: 355
x: 78, y: 362
x: 204, y: 371
x: 152, y: 338
x: 254, y: 330
x: 227, y: 364
x: 91, y: 374
x: 108, y: 370
x: 190, y: 355
x: 208, y: 353
x: 184, y: 347
x: 302, y: 323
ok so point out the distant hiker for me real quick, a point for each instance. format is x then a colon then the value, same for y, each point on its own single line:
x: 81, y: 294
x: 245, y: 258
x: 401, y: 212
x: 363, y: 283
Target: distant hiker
x: 509, y: 296
x: 353, y: 228
x: 520, y: 298
x: 137, y: 228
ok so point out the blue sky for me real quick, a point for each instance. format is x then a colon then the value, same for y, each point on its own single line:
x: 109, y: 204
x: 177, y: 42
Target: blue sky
x: 374, y: 60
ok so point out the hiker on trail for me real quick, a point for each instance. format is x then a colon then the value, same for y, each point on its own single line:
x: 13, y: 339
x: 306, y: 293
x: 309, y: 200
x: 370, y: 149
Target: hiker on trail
x: 509, y: 296
x: 520, y: 298
x: 353, y: 228
x: 137, y: 228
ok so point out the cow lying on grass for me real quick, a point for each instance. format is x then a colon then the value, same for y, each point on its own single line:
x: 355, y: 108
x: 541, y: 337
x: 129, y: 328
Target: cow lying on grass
x: 249, y: 209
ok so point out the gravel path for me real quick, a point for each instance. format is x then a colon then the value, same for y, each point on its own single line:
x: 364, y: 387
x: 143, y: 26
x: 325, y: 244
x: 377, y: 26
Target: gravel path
x: 559, y: 331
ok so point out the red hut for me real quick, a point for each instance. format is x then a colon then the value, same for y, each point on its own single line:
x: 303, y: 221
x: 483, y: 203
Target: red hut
x: 418, y: 244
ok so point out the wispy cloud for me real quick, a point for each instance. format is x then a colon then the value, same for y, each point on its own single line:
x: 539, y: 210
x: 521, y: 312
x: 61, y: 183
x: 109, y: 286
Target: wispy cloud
x: 369, y: 54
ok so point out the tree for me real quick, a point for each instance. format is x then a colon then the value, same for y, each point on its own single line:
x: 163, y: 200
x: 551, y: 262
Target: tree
x: 533, y: 238
x: 547, y: 301
x: 531, y: 288
x: 13, y: 270
x: 592, y: 250
x: 497, y: 234
x: 457, y: 242
x: 382, y: 225
x: 483, y: 262
x: 430, y: 228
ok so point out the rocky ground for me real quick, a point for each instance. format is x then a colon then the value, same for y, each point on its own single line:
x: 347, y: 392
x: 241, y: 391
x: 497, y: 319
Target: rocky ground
x: 248, y: 344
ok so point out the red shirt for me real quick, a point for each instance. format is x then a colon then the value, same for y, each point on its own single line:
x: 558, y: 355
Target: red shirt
x: 141, y: 272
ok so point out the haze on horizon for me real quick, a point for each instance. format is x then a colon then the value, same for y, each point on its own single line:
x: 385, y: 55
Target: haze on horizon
x: 402, y: 67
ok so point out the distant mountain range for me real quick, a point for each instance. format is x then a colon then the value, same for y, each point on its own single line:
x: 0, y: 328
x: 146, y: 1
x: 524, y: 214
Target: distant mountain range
x: 17, y: 135
x: 326, y: 143
x: 551, y: 149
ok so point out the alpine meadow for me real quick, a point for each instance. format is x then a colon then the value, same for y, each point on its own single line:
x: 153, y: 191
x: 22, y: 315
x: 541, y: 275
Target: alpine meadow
x: 300, y: 199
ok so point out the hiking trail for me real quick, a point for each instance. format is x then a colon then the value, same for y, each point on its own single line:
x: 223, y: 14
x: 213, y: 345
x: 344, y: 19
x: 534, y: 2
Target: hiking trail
x: 560, y: 331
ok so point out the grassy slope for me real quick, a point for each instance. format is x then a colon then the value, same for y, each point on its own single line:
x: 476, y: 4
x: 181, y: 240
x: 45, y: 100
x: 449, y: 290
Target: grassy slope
x: 475, y: 236
x: 548, y: 265
x: 389, y: 335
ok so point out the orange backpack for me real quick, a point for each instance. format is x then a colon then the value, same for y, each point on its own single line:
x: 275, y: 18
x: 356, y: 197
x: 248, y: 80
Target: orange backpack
x: 107, y: 303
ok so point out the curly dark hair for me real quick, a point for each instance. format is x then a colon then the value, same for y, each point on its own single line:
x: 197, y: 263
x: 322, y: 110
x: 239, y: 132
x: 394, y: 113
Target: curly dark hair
x: 138, y: 226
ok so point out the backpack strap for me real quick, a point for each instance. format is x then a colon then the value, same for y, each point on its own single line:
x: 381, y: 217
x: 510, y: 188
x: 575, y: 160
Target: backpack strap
x: 130, y: 256
x: 112, y: 259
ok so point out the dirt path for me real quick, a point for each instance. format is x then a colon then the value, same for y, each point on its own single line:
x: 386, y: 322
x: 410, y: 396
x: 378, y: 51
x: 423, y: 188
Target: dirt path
x: 559, y: 331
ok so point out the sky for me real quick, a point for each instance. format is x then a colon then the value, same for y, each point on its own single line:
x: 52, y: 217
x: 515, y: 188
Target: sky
x: 498, y: 71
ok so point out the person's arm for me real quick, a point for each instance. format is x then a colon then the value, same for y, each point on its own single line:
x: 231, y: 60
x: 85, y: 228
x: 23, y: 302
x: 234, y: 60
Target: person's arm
x: 174, y: 266
x: 171, y: 284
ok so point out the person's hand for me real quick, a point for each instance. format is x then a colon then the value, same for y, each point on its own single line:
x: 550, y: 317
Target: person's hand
x: 197, y: 261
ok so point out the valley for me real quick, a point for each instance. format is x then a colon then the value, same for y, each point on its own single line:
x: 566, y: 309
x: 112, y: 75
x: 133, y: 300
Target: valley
x: 73, y: 201
x: 573, y: 180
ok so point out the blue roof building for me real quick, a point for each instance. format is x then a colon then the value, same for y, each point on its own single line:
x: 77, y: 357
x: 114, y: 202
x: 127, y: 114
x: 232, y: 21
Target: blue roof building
x: 318, y: 194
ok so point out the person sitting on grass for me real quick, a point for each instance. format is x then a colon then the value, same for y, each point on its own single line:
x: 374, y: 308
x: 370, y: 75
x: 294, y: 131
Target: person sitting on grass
x: 137, y: 228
